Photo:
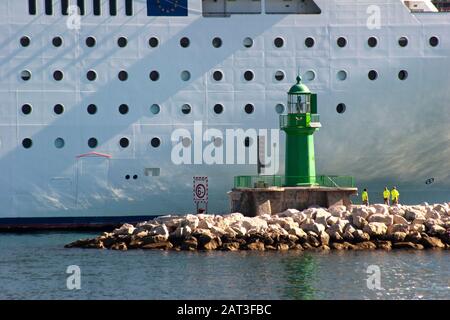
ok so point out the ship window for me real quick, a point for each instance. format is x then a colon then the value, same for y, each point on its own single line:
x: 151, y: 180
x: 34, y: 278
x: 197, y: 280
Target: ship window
x: 97, y: 7
x: 247, y: 142
x: 113, y: 7
x: 434, y: 41
x: 123, y: 109
x: 58, y: 75
x: 341, y: 107
x: 403, y: 75
x: 186, y: 142
x: 92, y: 109
x: 122, y: 42
x: 26, y: 109
x: 135, y: 176
x: 249, y: 108
x: 27, y: 143
x: 123, y: 75
x: 218, y: 75
x: 25, y: 75
x: 218, y: 108
x: 185, y: 75
x: 186, y: 108
x: 124, y: 142
x: 25, y: 41
x: 129, y: 7
x: 184, y: 42
x: 248, y: 75
x: 155, y: 142
x: 127, y: 177
x: 64, y: 7
x: 279, y: 75
x: 155, y: 108
x: 342, y: 75
x: 279, y: 108
x: 82, y: 7
x: 58, y: 108
x: 154, y: 75
x: 32, y: 7
x: 310, y: 75
x: 247, y: 42
x: 59, y: 143
x: 403, y: 42
x: 92, y: 143
x: 309, y: 42
x: 153, y: 42
x: 373, y: 75
x: 372, y: 42
x: 217, y: 42
x: 91, y: 75
x: 341, y: 42
x: 90, y: 42
x: 278, y: 42
x: 49, y: 7
x: 57, y: 41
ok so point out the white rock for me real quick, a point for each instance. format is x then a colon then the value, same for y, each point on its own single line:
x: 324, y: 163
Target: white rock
x: 333, y: 220
x: 298, y: 232
x: 398, y: 228
x: 441, y: 209
x: 419, y: 220
x: 437, y: 230
x: 205, y: 224
x: 432, y: 214
x: 191, y: 221
x: 289, y: 213
x: 232, y: 217
x: 417, y: 227
x: 314, y: 227
x: 360, y: 212
x: 322, y: 216
x: 256, y: 223
x: 349, y: 229
x: 125, y: 229
x: 160, y: 230
x: 299, y: 217
x: 335, y: 228
x: 359, y: 221
x: 384, y: 218
x: 413, y: 214
x: 239, y: 230
x: 381, y: 208
x: 182, y: 232
x: 375, y: 229
x: 337, y: 211
x: 398, y: 219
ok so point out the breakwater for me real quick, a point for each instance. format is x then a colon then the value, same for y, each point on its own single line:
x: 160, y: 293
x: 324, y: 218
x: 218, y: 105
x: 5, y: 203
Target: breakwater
x: 341, y: 228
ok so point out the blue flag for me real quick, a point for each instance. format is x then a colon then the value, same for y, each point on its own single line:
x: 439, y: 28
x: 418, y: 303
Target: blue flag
x: 167, y: 8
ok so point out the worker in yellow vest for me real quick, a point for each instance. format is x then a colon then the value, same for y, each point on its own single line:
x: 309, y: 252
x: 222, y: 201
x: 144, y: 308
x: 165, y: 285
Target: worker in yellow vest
x: 395, y: 195
x: 386, y: 195
x: 365, y: 197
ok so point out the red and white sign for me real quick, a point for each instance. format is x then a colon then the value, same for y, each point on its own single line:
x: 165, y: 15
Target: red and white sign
x: 200, y: 190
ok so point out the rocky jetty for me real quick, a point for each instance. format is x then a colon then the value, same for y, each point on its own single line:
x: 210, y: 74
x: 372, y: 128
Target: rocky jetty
x: 340, y: 228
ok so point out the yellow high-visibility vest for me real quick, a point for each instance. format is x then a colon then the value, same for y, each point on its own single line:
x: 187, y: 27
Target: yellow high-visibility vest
x: 386, y: 194
x: 395, y: 194
x: 365, y: 196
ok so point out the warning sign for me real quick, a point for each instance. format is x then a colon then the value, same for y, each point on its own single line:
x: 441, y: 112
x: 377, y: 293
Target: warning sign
x: 200, y: 190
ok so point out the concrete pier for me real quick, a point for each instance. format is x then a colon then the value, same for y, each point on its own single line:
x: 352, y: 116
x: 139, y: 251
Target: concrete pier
x: 252, y: 202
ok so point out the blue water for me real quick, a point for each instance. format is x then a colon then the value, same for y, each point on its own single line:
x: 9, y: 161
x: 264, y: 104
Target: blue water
x: 33, y: 266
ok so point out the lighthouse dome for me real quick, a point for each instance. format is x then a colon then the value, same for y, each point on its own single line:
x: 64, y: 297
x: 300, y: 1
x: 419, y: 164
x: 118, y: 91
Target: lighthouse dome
x: 299, y: 87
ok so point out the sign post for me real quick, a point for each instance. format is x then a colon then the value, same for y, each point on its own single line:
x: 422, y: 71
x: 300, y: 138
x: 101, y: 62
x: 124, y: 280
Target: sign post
x: 200, y: 192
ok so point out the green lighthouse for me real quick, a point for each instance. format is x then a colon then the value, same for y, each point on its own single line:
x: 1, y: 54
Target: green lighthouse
x: 299, y: 124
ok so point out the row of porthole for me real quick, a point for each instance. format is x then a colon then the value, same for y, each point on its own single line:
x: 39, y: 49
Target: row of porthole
x: 92, y: 142
x: 217, y: 42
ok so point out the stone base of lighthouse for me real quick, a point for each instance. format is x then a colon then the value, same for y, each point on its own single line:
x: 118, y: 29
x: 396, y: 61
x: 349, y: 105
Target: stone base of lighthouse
x: 253, y: 201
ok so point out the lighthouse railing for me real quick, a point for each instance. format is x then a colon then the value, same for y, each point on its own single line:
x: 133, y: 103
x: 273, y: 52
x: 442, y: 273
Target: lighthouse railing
x: 245, y: 182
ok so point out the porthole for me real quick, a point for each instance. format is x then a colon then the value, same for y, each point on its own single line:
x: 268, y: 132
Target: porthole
x: 434, y: 41
x: 25, y: 75
x: 91, y: 75
x: 249, y: 108
x: 217, y: 141
x: 185, y: 75
x: 123, y: 109
x: 58, y: 108
x: 124, y: 142
x: 309, y: 42
x: 92, y: 143
x: 341, y: 107
x: 217, y: 75
x: 279, y: 75
x: 278, y: 42
x: 403, y: 42
x: 247, y: 142
x: 127, y: 177
x: 341, y: 42
x: 373, y: 75
x: 58, y: 75
x: 90, y: 42
x: 186, y: 142
x: 57, y: 41
x: 248, y: 75
x: 218, y: 108
x: 27, y: 143
x: 59, y: 143
x: 155, y: 142
x: 123, y: 75
x: 135, y: 176
x: 186, y: 108
x: 310, y: 75
x: 155, y: 108
x: 403, y: 75
x: 153, y: 42
x: 247, y: 42
x: 342, y: 75
x: 185, y: 42
x: 217, y: 42
x: 279, y: 108
x: 122, y: 42
x: 26, y: 108
x: 25, y: 41
x: 372, y: 42
x: 91, y: 109
x: 154, y: 75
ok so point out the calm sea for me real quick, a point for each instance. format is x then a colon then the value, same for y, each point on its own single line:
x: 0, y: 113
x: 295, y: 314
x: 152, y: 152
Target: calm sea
x: 33, y: 266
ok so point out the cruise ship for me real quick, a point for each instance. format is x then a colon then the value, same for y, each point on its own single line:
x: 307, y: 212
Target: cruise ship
x: 96, y: 95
